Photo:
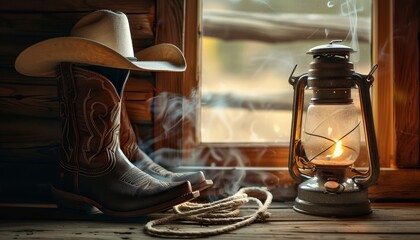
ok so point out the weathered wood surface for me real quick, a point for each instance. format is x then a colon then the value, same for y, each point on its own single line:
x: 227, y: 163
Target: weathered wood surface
x: 20, y: 30
x: 33, y: 106
x: 29, y: 124
x: 169, y: 28
x: 42, y: 6
x: 388, y: 221
x: 407, y: 83
x: 29, y: 104
x: 24, y: 23
x: 191, y: 76
x: 383, y: 94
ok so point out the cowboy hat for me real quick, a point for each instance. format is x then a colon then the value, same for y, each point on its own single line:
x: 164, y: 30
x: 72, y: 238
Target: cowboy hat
x: 100, y: 38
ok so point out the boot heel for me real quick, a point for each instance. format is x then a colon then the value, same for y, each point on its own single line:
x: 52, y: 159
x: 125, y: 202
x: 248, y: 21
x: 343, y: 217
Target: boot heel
x: 70, y: 201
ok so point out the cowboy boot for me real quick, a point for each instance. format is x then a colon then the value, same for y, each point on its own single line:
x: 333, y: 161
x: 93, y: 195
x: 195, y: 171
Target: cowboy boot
x: 140, y: 159
x: 93, y: 171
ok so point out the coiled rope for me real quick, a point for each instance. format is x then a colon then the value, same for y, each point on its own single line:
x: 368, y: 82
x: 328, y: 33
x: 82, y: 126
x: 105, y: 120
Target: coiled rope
x: 225, y: 211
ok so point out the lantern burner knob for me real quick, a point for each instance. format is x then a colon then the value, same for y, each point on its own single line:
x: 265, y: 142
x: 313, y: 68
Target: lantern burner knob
x: 332, y: 186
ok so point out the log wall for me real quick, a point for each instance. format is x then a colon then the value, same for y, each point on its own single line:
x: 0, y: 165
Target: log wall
x: 407, y: 82
x: 29, y: 126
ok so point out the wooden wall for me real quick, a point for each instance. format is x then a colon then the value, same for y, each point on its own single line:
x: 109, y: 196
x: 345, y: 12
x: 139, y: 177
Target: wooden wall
x: 407, y: 82
x: 29, y: 126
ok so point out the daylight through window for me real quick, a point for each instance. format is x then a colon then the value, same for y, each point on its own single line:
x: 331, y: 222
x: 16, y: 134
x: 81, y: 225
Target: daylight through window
x: 249, y: 48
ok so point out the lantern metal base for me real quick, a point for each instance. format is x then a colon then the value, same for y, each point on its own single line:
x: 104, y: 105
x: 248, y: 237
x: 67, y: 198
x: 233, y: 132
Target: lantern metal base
x: 314, y: 199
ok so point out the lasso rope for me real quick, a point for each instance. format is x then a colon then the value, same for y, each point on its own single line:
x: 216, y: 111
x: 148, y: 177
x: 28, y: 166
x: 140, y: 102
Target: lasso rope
x: 224, y: 211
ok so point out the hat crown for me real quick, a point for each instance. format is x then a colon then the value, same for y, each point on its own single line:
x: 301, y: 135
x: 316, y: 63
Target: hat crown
x: 111, y: 29
x: 101, y: 38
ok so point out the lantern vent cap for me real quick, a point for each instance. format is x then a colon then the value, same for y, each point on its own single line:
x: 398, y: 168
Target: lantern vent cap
x: 331, y: 48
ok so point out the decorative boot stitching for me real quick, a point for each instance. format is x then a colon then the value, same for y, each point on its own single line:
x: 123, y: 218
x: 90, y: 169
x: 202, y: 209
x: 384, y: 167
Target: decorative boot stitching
x: 100, y: 132
x: 134, y: 177
x: 101, y: 116
x: 69, y: 134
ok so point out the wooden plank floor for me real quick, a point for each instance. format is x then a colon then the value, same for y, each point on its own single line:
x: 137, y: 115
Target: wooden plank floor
x: 388, y: 221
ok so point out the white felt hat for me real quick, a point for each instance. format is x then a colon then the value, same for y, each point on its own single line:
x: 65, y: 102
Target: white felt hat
x: 100, y: 38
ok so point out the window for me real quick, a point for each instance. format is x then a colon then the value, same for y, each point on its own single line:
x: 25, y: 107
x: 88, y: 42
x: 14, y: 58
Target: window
x: 393, y: 24
x: 249, y: 49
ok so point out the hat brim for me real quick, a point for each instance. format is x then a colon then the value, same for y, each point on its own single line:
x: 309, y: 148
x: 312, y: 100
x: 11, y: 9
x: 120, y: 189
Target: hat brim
x: 42, y: 58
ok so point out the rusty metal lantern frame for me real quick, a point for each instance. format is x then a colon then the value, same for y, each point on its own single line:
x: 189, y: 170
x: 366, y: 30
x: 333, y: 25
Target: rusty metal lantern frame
x: 319, y: 200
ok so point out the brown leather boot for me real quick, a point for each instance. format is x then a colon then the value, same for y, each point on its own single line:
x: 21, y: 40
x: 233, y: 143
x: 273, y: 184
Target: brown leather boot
x: 93, y: 171
x: 140, y: 159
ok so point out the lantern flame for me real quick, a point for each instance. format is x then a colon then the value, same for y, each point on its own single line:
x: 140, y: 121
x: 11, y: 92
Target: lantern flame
x: 338, y: 151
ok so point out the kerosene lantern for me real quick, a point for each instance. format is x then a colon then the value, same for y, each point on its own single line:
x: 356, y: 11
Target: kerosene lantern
x: 323, y: 151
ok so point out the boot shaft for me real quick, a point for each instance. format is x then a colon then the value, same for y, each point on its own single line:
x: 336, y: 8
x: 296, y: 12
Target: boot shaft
x: 128, y: 139
x: 90, y: 115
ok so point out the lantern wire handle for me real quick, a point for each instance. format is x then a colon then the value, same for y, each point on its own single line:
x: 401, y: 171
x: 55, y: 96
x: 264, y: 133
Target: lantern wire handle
x: 369, y: 77
x: 335, y: 41
x: 292, y: 80
x: 372, y: 175
x: 297, y: 157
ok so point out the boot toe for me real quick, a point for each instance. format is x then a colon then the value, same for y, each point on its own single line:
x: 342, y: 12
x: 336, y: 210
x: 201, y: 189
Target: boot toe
x: 197, y: 179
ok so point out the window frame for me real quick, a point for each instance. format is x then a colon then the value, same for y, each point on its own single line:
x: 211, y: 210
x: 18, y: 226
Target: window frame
x: 392, y: 153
